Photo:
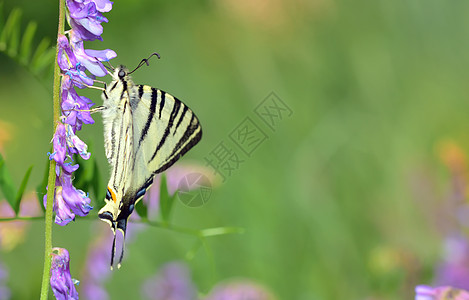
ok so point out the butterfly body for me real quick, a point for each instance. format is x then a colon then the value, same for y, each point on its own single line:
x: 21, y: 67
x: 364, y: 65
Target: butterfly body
x: 145, y: 132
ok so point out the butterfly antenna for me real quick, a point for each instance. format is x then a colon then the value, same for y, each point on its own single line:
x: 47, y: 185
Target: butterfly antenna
x: 145, y: 61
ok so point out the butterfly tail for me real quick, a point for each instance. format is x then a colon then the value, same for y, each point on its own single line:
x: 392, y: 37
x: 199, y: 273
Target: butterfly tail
x: 113, y: 250
x: 122, y: 226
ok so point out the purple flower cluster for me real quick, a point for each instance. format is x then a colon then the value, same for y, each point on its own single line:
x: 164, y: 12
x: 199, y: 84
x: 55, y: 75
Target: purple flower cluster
x: 172, y: 282
x: 96, y: 269
x: 61, y: 281
x: 85, y: 18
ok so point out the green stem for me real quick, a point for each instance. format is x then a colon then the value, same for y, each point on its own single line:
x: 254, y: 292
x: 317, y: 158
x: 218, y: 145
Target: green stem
x: 22, y: 219
x: 51, y: 181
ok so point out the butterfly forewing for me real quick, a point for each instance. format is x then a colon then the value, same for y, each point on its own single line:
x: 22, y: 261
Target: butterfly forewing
x: 169, y: 130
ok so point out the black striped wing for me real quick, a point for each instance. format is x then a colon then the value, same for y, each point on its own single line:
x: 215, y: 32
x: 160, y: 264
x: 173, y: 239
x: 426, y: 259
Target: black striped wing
x: 164, y: 129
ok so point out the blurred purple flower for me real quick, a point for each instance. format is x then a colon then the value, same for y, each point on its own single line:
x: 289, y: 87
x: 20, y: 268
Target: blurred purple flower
x: 5, y: 292
x: 451, y: 217
x: 171, y: 283
x: 97, y: 269
x: 423, y: 292
x: 85, y: 18
x: 240, y: 290
x: 454, y: 270
x: 174, y: 283
x: 174, y: 176
x: 61, y: 281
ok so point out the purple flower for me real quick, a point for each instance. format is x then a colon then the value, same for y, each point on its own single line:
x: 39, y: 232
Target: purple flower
x: 69, y: 201
x: 174, y: 177
x: 61, y: 281
x: 76, y: 145
x: 5, y: 292
x: 454, y: 270
x: 66, y: 58
x: 63, y: 214
x: 172, y: 283
x: 424, y: 292
x: 240, y: 290
x: 85, y: 18
x: 91, y: 59
x: 85, y: 14
x: 94, y: 291
x: 59, y: 141
x: 103, y: 5
x: 97, y: 270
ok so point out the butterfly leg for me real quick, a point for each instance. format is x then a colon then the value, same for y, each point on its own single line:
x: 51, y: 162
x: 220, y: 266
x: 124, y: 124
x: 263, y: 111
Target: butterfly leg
x: 97, y: 109
x: 91, y: 111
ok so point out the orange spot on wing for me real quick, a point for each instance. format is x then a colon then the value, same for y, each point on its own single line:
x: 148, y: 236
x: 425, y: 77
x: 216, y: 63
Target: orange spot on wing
x: 113, y: 196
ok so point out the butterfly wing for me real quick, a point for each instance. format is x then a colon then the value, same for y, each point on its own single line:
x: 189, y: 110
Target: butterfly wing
x: 164, y: 130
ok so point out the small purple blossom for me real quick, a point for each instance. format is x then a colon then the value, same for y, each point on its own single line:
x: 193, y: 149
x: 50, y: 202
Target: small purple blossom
x: 423, y: 292
x: 239, y: 290
x: 454, y: 270
x: 174, y: 176
x: 5, y: 292
x: 79, y: 67
x: 97, y: 271
x: 172, y: 283
x: 61, y: 281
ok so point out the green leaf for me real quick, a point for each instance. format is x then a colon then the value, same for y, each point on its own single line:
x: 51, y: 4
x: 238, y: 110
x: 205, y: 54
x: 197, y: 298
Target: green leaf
x: 26, y: 42
x: 46, y: 60
x: 41, y: 188
x: 84, y: 174
x: 2, y: 19
x: 96, y: 184
x: 41, y: 55
x: 19, y: 194
x: 166, y: 201
x: 10, y: 36
x: 19, y: 46
x: 6, y: 184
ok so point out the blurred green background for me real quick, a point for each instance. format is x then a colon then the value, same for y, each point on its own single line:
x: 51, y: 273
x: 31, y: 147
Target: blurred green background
x: 335, y: 202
